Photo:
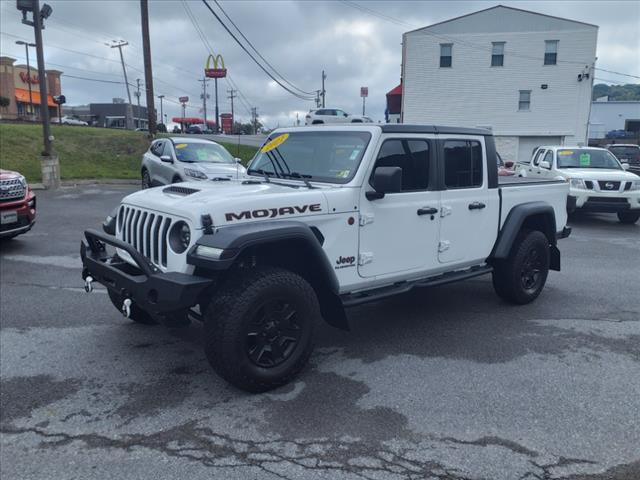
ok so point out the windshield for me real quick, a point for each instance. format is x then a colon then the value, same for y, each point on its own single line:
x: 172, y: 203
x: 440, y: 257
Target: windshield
x: 587, y: 158
x: 625, y: 152
x: 322, y: 156
x: 202, y: 153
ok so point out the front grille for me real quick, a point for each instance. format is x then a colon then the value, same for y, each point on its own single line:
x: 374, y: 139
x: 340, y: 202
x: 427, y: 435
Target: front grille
x: 627, y: 187
x: 589, y: 184
x: 607, y: 199
x: 608, y: 185
x: 146, y: 232
x: 11, y: 189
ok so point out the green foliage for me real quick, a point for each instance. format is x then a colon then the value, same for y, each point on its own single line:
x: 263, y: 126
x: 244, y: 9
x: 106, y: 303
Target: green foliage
x: 84, y: 152
x: 630, y: 91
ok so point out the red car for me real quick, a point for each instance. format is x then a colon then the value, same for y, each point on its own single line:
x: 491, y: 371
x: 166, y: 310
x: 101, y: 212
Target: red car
x: 17, y: 205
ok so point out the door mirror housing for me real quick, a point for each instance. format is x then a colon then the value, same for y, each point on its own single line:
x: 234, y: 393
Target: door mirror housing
x: 385, y: 180
x: 625, y: 166
x: 238, y: 160
x: 166, y: 158
x: 545, y: 164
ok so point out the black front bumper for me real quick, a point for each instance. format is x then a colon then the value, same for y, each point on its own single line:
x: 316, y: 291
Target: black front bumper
x: 147, y: 286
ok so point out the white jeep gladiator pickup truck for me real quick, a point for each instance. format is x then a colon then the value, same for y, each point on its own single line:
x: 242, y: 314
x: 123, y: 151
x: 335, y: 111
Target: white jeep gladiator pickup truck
x: 327, y: 218
x: 598, y: 182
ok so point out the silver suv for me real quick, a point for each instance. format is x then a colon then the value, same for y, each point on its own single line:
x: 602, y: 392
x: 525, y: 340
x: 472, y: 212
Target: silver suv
x: 326, y: 115
x: 177, y: 159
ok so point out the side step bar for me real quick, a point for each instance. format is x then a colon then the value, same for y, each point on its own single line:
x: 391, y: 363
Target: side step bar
x: 353, y: 299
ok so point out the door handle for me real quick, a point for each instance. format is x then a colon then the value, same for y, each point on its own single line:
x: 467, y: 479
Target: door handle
x: 427, y: 211
x: 476, y: 206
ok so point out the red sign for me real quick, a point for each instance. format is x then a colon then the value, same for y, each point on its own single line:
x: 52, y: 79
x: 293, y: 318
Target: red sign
x: 364, y: 91
x: 27, y: 79
x: 183, y: 99
x: 227, y: 122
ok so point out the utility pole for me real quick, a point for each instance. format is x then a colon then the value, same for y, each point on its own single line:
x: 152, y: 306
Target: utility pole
x: 119, y: 44
x: 161, y: 112
x: 137, y: 93
x: 215, y: 84
x: 324, y: 92
x: 318, y: 98
x: 232, y: 95
x: 204, y: 97
x: 49, y: 163
x: 254, y: 119
x: 26, y: 50
x: 148, y: 74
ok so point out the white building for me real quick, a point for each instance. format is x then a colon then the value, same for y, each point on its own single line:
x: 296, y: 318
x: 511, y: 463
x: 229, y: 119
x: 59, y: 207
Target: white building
x: 615, y: 115
x: 525, y: 75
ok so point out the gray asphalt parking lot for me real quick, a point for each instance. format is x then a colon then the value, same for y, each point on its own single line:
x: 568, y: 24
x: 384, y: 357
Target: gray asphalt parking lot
x: 447, y: 383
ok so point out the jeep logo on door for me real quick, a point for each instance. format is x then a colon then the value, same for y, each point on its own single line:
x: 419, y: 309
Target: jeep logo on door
x: 344, y: 262
x: 272, y: 212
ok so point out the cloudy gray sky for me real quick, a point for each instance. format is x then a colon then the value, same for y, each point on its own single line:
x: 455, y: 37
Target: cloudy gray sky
x: 355, y: 47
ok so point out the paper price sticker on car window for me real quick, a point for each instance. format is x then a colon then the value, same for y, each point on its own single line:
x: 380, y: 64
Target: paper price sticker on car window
x: 585, y: 160
x: 275, y: 143
x: 202, y: 155
x: 354, y: 154
x: 343, y: 173
x: 181, y: 145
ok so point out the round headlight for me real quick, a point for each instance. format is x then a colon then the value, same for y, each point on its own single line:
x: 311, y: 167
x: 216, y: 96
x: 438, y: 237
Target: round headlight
x: 179, y: 237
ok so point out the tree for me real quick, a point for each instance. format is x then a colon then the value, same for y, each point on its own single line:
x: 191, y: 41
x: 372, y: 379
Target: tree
x: 4, y: 102
x: 244, y: 128
x: 630, y: 91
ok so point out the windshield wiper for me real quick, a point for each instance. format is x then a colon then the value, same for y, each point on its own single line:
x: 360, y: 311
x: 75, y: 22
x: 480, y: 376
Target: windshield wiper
x: 300, y: 176
x: 262, y: 172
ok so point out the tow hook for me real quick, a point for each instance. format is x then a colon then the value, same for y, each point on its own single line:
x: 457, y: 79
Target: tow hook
x: 88, y: 284
x: 126, y: 307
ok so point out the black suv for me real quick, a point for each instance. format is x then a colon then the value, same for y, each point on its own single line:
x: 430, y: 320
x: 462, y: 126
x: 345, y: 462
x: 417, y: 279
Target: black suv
x: 627, y: 153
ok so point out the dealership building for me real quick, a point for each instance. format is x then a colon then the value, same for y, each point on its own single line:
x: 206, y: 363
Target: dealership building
x: 15, y: 81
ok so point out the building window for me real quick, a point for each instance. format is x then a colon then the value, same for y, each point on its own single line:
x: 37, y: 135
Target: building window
x: 462, y: 164
x: 497, y: 54
x: 410, y: 155
x: 550, y: 52
x: 446, y: 49
x: 524, y: 102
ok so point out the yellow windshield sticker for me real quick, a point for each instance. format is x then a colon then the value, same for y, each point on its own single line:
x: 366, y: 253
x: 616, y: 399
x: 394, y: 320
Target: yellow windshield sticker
x: 565, y: 152
x: 275, y: 143
x: 181, y: 145
x: 585, y: 160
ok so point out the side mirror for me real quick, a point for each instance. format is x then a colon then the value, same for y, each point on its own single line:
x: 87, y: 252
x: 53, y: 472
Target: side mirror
x: 625, y: 166
x: 385, y: 180
x: 238, y: 160
x: 509, y: 164
x: 544, y: 164
x: 166, y: 158
x: 345, y: 114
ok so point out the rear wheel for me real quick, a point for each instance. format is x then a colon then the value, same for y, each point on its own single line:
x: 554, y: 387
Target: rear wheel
x: 146, y: 179
x: 521, y: 277
x: 629, y: 217
x: 137, y: 314
x: 259, y: 328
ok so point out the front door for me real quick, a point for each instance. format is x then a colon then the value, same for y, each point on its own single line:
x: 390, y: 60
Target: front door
x: 399, y: 233
x: 469, y: 212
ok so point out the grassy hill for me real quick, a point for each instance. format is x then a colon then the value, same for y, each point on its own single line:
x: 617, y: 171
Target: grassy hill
x: 84, y: 152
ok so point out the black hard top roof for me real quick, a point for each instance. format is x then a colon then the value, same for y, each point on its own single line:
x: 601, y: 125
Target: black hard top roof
x: 408, y: 128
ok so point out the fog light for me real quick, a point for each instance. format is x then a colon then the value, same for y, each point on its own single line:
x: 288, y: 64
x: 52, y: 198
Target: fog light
x: 210, y: 252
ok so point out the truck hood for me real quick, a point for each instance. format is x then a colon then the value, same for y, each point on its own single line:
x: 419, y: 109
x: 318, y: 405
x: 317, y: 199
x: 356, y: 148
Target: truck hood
x: 598, y: 174
x: 233, y: 202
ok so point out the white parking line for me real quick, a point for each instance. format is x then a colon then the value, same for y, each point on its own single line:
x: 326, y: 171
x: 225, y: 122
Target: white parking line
x: 52, y: 260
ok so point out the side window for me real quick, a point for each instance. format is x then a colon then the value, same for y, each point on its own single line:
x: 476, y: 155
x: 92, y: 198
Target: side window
x: 412, y: 156
x: 332, y: 112
x: 462, y: 164
x: 549, y: 158
x: 321, y: 112
x: 538, y: 157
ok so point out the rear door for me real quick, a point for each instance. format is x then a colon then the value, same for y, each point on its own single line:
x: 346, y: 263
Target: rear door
x: 399, y: 233
x: 469, y: 213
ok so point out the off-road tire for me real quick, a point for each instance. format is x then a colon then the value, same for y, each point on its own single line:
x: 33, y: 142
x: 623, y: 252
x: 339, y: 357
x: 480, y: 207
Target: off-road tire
x: 234, y: 311
x: 146, y: 179
x: 137, y: 314
x: 629, y: 217
x: 515, y: 279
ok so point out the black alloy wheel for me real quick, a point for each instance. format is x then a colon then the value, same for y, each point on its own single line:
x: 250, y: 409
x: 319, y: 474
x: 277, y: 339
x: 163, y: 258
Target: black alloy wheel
x: 531, y: 272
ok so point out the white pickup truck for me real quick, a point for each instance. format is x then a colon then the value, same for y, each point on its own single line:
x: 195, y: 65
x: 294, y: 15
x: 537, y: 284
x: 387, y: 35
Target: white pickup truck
x: 598, y: 182
x: 326, y: 218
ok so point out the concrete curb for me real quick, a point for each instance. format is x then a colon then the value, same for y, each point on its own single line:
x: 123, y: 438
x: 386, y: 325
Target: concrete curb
x: 76, y: 183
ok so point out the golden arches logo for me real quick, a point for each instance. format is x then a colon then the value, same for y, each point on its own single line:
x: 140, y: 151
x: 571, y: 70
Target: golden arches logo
x: 218, y: 70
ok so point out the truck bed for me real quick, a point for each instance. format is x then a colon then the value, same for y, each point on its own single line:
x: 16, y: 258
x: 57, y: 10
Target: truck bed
x: 515, y: 180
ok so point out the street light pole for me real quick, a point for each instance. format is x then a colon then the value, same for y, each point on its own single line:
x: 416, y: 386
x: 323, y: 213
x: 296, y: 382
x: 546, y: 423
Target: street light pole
x: 26, y: 50
x: 44, y: 106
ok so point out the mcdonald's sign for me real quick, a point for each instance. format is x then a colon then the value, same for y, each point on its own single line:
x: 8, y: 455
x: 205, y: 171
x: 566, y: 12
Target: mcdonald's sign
x: 218, y: 70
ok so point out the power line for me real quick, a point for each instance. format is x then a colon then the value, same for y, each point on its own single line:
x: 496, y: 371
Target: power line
x: 91, y: 79
x: 618, y: 73
x: 252, y: 57
x: 617, y: 82
x: 258, y: 53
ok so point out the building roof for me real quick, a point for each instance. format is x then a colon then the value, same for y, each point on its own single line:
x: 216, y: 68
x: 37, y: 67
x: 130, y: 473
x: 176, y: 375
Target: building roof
x: 395, y: 91
x: 548, y: 20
